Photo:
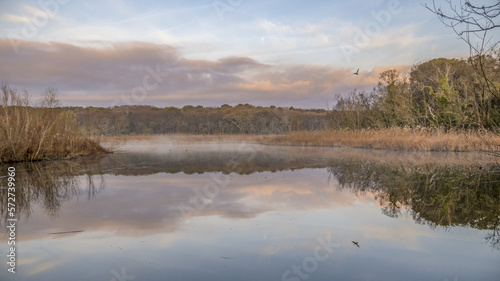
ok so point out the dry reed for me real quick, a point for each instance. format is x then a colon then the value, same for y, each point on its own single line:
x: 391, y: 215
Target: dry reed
x: 402, y: 139
x: 30, y: 134
x: 398, y: 139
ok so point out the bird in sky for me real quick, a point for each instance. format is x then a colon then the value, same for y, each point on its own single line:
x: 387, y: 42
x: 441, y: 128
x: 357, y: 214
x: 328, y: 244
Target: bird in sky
x: 357, y: 72
x: 355, y: 243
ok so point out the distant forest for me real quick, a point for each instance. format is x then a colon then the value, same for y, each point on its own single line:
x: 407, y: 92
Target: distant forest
x: 239, y: 119
x: 441, y: 93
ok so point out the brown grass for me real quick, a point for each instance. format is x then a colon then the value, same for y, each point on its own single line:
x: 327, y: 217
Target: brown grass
x: 401, y: 139
x: 398, y: 139
x: 30, y: 134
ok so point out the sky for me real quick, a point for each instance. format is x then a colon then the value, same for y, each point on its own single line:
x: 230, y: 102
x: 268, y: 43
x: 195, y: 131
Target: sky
x: 214, y: 52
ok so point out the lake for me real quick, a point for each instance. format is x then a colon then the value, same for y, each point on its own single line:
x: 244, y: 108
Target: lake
x: 230, y: 211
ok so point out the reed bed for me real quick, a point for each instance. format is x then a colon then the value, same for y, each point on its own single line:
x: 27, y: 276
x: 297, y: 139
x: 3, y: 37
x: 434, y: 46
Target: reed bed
x: 39, y: 133
x: 398, y: 139
x: 402, y: 139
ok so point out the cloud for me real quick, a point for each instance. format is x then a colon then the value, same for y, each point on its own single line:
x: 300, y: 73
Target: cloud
x: 297, y: 35
x: 14, y: 18
x: 114, y: 72
x: 159, y: 209
x: 270, y: 26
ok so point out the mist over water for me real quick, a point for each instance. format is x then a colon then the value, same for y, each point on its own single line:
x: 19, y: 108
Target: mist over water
x: 165, y: 210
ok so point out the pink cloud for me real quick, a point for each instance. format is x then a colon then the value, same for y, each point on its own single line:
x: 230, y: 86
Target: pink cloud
x: 163, y: 76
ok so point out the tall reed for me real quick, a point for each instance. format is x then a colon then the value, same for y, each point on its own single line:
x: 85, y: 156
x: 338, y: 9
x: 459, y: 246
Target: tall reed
x: 397, y: 139
x: 38, y: 133
x: 403, y: 139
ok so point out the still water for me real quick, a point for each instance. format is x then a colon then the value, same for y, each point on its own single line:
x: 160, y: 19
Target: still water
x: 162, y: 211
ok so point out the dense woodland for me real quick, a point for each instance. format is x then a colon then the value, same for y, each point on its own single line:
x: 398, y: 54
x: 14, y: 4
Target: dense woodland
x: 240, y: 119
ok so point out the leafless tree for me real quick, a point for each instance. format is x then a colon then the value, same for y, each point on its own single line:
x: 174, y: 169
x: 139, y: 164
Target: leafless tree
x: 49, y: 98
x: 474, y: 23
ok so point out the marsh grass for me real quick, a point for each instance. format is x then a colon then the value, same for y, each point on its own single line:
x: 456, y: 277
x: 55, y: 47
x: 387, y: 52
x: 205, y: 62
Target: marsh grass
x: 39, y: 133
x: 397, y: 139
x: 401, y: 139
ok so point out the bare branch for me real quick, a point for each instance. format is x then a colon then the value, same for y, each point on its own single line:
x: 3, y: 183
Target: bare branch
x: 49, y: 98
x: 471, y: 22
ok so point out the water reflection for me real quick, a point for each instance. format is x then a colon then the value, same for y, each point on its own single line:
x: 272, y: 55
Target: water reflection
x: 50, y: 183
x: 268, y: 208
x: 434, y: 194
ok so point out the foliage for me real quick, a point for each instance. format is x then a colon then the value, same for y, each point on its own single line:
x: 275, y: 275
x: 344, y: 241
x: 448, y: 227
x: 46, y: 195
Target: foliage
x: 440, y: 93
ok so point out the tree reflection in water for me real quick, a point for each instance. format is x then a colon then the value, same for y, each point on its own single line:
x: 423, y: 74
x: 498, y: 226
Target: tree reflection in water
x: 433, y: 194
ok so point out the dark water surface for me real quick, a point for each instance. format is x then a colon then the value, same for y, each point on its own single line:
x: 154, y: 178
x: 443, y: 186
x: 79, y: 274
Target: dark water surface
x: 246, y: 212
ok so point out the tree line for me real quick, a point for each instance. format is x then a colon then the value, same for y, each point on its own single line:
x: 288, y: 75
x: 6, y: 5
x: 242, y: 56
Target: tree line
x: 226, y: 119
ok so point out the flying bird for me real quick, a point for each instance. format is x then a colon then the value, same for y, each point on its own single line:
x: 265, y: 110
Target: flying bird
x: 357, y: 72
x: 355, y: 243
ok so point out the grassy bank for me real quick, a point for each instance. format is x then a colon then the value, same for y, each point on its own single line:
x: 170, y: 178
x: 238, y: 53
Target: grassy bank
x: 398, y: 139
x: 39, y: 133
x: 392, y: 139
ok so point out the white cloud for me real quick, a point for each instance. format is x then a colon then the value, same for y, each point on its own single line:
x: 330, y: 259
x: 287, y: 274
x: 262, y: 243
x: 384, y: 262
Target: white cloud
x: 14, y: 18
x: 273, y: 27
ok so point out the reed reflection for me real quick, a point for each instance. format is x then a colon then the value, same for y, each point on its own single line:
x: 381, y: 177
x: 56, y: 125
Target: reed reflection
x: 50, y: 183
